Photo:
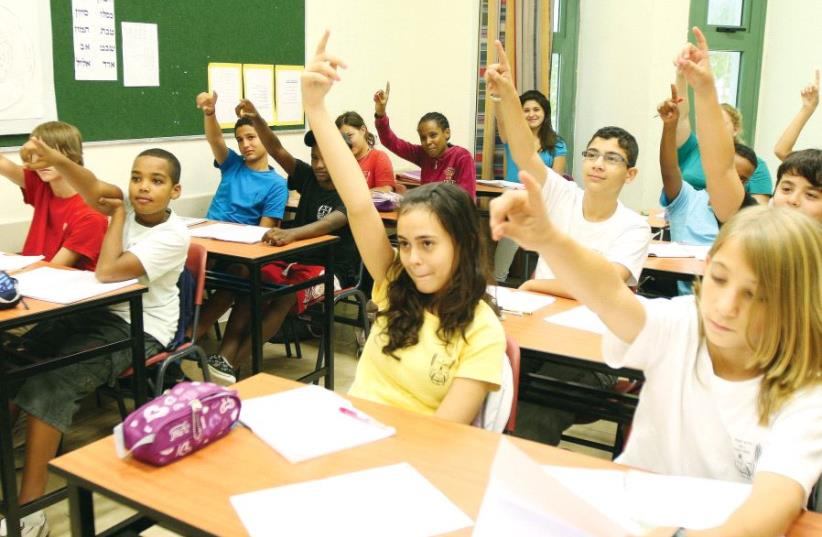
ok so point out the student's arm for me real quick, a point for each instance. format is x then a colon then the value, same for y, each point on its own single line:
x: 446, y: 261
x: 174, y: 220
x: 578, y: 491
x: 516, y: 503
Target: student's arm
x: 520, y: 139
x: 277, y: 236
x: 463, y: 401
x: 37, y: 155
x: 683, y: 125
x: 389, y: 140
x: 503, y: 134
x: 587, y: 275
x: 774, y: 503
x: 207, y: 102
x: 668, y: 163
x: 66, y: 257
x: 559, y: 164
x: 365, y: 222
x: 557, y: 288
x: 12, y: 172
x: 115, y: 265
x: 269, y: 140
x: 724, y: 187
x: 810, y: 100
x: 267, y: 221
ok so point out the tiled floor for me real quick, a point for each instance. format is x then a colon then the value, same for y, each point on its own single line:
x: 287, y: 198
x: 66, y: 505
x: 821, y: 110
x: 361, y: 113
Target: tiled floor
x: 94, y: 422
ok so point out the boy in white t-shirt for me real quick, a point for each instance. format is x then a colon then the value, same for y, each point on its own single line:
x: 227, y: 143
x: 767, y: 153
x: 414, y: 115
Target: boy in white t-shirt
x: 592, y: 216
x: 145, y: 240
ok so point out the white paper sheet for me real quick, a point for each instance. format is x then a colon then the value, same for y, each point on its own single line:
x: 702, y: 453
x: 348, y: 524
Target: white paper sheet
x: 230, y: 232
x: 258, y: 87
x: 227, y: 80
x: 641, y: 501
x: 310, y: 421
x: 141, y: 55
x: 26, y: 72
x: 391, y: 500
x: 525, y: 501
x: 513, y: 185
x: 95, y: 40
x: 11, y: 263
x: 63, y: 286
x: 580, y: 318
x: 516, y: 301
x: 288, y: 94
x: 191, y: 220
x: 676, y: 249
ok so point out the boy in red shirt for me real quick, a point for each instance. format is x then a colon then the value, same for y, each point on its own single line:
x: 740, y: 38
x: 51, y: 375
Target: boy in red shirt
x: 63, y: 229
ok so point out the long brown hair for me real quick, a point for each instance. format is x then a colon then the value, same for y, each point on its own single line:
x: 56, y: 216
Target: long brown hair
x: 548, y: 137
x: 455, y: 303
x: 784, y: 249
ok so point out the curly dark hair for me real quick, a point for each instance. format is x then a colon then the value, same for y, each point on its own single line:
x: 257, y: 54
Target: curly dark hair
x: 455, y: 303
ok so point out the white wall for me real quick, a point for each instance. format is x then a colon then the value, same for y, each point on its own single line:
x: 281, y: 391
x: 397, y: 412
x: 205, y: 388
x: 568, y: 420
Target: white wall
x: 396, y: 41
x: 624, y: 70
x: 792, y: 50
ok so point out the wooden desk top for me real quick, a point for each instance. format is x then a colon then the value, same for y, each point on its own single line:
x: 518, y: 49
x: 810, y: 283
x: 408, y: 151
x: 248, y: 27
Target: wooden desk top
x: 36, y: 307
x: 532, y: 332
x: 294, y: 200
x: 482, y: 190
x: 196, y: 490
x: 258, y: 250
x: 656, y: 222
x: 684, y: 266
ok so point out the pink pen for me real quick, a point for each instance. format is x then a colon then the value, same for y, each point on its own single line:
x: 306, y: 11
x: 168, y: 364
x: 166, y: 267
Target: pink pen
x: 352, y: 413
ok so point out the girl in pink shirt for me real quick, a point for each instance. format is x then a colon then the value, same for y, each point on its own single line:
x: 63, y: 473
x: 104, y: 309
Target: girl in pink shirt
x: 437, y: 158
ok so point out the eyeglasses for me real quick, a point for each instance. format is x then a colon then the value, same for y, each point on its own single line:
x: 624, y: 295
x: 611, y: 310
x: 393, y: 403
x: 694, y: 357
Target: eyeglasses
x: 610, y: 158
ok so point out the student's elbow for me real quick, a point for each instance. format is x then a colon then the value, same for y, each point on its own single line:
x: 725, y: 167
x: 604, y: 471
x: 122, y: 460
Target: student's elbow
x: 780, y: 153
x: 105, y: 274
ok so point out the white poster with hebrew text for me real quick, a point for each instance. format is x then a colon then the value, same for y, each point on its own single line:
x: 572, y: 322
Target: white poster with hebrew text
x: 26, y: 74
x: 95, y: 40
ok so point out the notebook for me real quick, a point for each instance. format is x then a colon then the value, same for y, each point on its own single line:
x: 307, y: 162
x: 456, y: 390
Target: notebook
x: 230, y: 232
x: 11, y: 262
x: 64, y: 286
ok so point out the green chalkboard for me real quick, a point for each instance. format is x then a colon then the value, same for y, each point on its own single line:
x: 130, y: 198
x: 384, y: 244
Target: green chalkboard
x: 191, y: 33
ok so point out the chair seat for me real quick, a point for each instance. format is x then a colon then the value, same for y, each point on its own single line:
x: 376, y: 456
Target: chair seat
x: 157, y: 358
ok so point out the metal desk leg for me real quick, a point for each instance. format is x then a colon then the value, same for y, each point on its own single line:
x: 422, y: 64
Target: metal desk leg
x: 328, y: 320
x: 138, y: 351
x: 81, y: 511
x: 256, y: 320
x: 9, y: 479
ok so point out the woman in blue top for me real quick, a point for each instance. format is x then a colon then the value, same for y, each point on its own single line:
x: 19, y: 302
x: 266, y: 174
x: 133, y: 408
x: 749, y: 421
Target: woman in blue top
x: 551, y: 149
x: 759, y: 185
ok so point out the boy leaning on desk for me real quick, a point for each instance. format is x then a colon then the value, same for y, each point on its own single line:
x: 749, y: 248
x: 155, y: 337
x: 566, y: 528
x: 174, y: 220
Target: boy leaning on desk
x: 145, y: 240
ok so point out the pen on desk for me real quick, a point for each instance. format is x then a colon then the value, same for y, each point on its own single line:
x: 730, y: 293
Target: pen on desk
x: 512, y: 312
x: 23, y: 301
x: 352, y: 413
x: 244, y: 424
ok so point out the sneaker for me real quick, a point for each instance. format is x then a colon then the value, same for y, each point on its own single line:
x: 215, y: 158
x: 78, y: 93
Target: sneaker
x: 221, y: 370
x: 33, y: 525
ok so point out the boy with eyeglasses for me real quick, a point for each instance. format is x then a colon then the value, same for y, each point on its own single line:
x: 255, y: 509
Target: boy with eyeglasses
x: 593, y: 216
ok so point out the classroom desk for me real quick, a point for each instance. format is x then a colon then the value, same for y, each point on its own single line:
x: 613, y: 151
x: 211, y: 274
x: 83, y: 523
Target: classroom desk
x: 191, y: 496
x: 682, y: 268
x: 13, y: 371
x: 254, y: 257
x: 542, y: 341
x: 485, y: 191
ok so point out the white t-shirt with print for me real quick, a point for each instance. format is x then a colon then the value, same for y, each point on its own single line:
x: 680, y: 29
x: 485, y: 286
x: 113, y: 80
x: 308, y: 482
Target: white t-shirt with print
x: 623, y: 238
x: 162, y: 250
x: 691, y: 422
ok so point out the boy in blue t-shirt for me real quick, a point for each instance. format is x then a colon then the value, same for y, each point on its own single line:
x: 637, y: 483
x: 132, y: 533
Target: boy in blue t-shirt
x: 250, y: 191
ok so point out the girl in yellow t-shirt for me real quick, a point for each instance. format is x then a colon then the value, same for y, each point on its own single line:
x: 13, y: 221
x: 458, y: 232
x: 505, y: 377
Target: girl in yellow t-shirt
x: 437, y: 345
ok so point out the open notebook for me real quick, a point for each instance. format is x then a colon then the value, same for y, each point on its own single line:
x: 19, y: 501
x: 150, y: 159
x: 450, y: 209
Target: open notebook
x: 63, y: 286
x: 11, y: 262
x: 230, y: 232
x: 281, y: 421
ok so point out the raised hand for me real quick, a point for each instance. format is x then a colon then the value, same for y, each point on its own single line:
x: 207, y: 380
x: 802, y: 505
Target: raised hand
x: 381, y: 99
x: 694, y: 63
x: 320, y: 73
x: 36, y: 155
x: 521, y: 216
x: 498, y: 75
x: 207, y: 102
x: 668, y: 109
x: 246, y: 109
x: 810, y: 93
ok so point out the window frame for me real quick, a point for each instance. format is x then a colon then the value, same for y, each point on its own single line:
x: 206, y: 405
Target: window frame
x: 565, y: 43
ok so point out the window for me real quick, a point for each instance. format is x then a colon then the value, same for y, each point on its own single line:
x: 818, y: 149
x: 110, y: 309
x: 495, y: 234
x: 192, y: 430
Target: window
x: 734, y: 30
x: 564, y: 71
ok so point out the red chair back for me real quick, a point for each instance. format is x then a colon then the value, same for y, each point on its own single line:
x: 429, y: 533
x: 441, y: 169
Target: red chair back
x: 196, y: 265
x: 512, y: 351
